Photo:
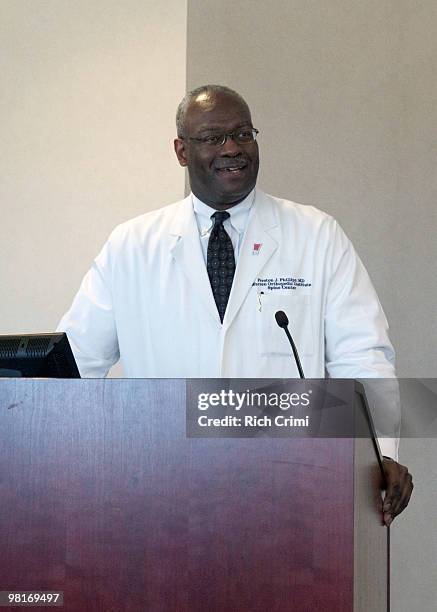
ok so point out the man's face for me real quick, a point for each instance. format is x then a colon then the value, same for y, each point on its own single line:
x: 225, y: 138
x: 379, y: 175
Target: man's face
x: 220, y: 176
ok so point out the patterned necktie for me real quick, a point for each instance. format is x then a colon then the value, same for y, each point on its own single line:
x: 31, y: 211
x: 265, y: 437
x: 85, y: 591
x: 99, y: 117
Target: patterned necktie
x: 220, y: 262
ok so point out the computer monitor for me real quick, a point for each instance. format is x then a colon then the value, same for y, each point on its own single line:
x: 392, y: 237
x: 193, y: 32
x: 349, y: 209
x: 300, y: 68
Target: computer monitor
x: 37, y: 356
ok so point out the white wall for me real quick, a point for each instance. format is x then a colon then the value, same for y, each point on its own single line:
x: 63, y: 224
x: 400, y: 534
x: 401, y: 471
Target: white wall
x: 88, y: 94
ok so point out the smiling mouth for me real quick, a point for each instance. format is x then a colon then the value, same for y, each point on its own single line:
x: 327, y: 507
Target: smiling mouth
x: 232, y: 169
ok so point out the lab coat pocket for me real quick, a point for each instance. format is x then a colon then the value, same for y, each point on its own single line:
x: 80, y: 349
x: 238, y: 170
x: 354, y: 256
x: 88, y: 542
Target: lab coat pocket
x: 271, y: 338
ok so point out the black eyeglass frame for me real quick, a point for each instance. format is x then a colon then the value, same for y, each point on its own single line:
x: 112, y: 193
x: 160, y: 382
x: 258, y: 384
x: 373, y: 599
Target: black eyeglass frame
x: 207, y: 139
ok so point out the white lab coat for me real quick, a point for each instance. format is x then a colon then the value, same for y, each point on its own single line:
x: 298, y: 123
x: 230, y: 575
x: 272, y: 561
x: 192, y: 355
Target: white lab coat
x: 147, y: 299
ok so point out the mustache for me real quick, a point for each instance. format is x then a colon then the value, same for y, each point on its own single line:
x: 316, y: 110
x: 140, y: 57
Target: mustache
x: 230, y: 162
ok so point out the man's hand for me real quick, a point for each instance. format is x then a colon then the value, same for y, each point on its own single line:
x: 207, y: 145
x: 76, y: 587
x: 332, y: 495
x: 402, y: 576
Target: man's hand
x: 398, y: 491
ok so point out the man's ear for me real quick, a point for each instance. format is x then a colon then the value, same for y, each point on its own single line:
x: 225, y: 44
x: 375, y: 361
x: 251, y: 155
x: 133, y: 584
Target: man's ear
x: 180, y: 150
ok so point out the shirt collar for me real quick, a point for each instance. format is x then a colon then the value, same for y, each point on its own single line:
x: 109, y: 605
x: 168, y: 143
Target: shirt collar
x: 238, y: 213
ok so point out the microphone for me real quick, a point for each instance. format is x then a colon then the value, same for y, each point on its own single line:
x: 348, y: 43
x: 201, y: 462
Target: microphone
x: 282, y: 321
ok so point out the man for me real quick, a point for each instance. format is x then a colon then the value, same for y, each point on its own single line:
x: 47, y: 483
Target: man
x: 191, y: 290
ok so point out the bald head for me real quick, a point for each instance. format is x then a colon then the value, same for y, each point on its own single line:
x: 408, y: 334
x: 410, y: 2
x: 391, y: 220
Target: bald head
x: 204, y: 98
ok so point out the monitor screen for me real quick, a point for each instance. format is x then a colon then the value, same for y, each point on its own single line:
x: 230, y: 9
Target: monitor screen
x: 37, y: 356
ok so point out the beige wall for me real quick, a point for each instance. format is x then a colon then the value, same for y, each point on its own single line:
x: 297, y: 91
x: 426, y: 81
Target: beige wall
x: 88, y: 97
x: 344, y: 93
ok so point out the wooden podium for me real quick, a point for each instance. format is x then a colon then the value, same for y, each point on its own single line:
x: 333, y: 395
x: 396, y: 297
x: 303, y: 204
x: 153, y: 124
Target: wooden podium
x: 103, y: 497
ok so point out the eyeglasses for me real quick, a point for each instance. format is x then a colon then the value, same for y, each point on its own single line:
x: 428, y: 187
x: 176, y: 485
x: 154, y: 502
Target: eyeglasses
x: 240, y: 136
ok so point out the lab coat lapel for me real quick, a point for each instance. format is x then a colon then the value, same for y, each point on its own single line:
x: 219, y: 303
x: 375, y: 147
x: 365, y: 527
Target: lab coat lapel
x: 259, y: 244
x: 187, y: 252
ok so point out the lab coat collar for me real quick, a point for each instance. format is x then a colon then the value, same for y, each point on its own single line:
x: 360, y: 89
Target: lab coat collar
x: 259, y: 244
x: 187, y: 253
x: 238, y: 214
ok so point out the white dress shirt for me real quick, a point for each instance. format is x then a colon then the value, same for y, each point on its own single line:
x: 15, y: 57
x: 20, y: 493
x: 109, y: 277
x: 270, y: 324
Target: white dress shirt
x: 235, y: 226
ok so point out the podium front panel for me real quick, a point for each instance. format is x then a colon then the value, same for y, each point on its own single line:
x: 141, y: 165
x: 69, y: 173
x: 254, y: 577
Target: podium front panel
x: 104, y: 497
